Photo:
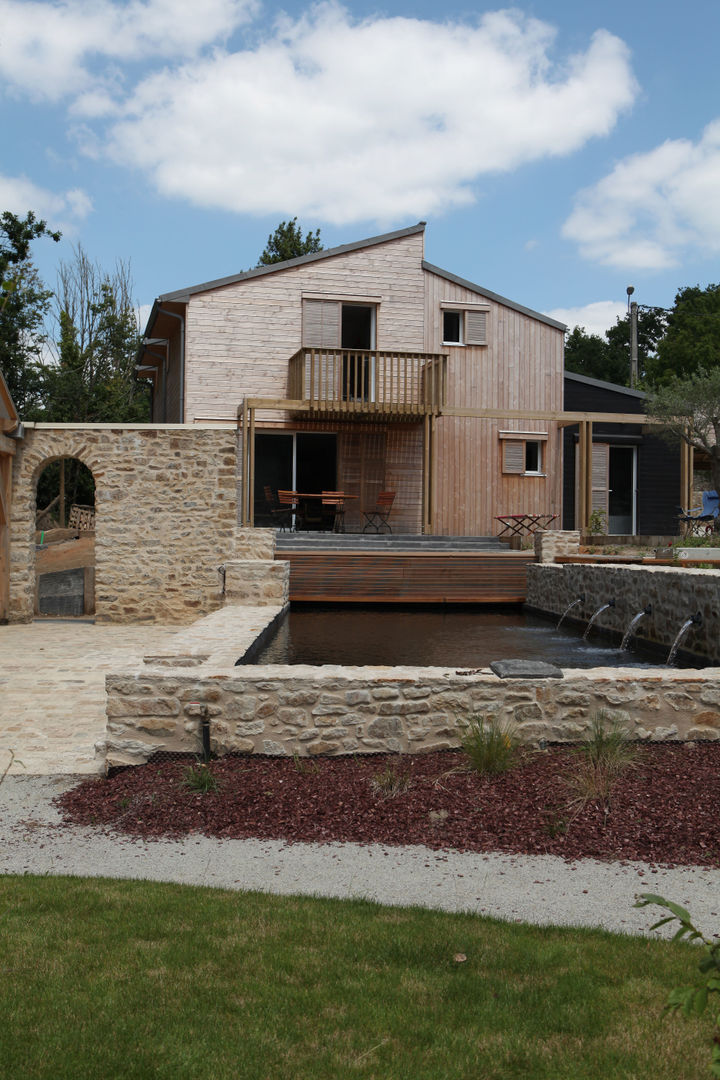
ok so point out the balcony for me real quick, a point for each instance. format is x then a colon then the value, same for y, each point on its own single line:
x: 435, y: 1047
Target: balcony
x: 369, y: 383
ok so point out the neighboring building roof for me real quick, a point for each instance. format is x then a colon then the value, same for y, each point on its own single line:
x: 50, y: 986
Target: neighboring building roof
x: 260, y: 271
x: 492, y: 296
x: 602, y: 385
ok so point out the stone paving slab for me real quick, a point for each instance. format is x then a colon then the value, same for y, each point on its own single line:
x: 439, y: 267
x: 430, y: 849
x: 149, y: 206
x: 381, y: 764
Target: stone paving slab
x: 52, y: 690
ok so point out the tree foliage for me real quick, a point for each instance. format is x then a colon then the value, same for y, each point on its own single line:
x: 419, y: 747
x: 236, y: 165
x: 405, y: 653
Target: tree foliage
x: 692, y: 337
x: 608, y: 357
x: 287, y: 243
x: 93, y: 380
x: 690, y: 408
x: 24, y: 303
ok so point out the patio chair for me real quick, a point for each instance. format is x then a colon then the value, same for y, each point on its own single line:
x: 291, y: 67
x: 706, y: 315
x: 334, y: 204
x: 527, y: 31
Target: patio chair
x: 377, y: 519
x: 333, y: 511
x: 701, y: 519
x: 287, y: 506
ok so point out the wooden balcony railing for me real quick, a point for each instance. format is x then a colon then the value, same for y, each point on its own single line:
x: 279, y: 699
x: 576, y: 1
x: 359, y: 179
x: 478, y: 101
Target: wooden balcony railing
x: 374, y: 381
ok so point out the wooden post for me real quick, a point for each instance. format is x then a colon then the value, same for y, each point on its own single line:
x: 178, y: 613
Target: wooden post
x: 686, y: 475
x: 426, y: 474
x: 61, y: 505
x: 431, y: 470
x: 244, y: 472
x: 585, y: 474
x: 251, y: 469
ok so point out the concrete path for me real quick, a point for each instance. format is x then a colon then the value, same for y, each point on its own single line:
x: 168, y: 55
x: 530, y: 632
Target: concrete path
x: 540, y: 889
x: 52, y: 690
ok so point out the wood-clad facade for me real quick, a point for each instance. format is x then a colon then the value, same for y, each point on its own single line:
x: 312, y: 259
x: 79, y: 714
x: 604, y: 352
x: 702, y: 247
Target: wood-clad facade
x: 414, y: 375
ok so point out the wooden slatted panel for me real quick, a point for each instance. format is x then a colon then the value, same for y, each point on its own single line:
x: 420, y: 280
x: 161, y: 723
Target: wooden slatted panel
x: 476, y: 327
x: 600, y: 476
x: 385, y: 577
x: 513, y: 456
x: 321, y: 324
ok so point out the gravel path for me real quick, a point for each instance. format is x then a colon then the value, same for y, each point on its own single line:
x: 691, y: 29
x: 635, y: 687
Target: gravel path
x: 544, y: 889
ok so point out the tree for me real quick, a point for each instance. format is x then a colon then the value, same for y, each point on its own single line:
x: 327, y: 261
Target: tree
x: 93, y: 379
x: 287, y: 243
x: 24, y: 303
x: 690, y: 408
x: 692, y: 337
x: 608, y: 357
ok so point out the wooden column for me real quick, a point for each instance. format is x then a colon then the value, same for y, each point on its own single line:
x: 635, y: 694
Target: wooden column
x: 686, y: 475
x: 426, y: 474
x: 244, y: 470
x: 251, y: 469
x: 585, y: 474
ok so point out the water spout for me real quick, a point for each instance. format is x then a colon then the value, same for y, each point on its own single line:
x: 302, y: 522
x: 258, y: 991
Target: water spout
x: 580, y: 600
x: 633, y: 623
x: 588, y: 628
x: 694, y: 620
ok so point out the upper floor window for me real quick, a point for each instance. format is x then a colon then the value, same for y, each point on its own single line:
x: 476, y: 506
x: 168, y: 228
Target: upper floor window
x: 464, y: 325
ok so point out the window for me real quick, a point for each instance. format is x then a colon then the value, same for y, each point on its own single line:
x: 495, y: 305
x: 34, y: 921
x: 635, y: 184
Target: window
x: 464, y: 326
x: 523, y: 453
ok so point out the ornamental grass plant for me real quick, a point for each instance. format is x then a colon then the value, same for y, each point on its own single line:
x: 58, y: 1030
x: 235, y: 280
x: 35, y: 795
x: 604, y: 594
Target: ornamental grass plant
x: 490, y: 745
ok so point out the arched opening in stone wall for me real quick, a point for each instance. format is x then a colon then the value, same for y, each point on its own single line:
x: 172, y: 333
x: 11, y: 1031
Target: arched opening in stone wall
x: 65, y: 539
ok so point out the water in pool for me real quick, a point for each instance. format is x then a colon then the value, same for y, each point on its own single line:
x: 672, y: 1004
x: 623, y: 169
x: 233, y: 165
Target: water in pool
x: 460, y: 637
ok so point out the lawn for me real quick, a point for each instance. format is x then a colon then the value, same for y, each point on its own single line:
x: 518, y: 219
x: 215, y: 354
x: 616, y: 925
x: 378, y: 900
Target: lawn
x: 105, y: 979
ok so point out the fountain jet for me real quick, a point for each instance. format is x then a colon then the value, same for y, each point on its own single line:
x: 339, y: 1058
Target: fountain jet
x: 588, y: 628
x: 580, y: 600
x: 694, y: 620
x: 633, y: 623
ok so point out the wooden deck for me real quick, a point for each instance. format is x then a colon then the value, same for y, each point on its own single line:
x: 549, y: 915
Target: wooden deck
x: 396, y: 577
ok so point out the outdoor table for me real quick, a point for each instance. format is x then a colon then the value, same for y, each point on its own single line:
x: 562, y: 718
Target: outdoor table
x: 305, y: 497
x: 523, y: 524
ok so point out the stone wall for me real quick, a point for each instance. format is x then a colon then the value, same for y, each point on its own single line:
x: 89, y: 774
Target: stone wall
x: 158, y: 705
x: 674, y: 594
x: 166, y: 516
x: 549, y: 543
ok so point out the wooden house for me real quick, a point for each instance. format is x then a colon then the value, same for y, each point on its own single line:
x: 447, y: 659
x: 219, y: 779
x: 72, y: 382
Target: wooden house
x: 365, y: 368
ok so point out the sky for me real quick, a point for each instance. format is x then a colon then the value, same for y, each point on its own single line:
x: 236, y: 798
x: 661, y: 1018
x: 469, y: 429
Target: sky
x: 558, y: 151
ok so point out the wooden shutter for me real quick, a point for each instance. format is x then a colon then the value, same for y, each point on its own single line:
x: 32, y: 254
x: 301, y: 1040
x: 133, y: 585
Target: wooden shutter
x: 321, y: 324
x: 513, y: 456
x: 600, y: 476
x: 476, y: 327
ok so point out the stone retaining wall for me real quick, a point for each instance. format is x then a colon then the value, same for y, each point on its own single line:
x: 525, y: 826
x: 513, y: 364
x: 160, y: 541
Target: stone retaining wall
x: 339, y: 710
x: 166, y: 516
x: 675, y: 595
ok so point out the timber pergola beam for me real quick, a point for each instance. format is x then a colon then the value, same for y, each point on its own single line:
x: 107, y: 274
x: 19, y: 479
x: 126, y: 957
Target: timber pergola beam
x: 584, y: 421
x: 246, y: 422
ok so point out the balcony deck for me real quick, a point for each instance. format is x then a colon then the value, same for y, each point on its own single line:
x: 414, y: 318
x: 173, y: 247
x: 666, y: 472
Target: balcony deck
x: 369, y: 383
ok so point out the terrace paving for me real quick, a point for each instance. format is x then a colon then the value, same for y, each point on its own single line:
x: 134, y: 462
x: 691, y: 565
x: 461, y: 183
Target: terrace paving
x: 52, y: 690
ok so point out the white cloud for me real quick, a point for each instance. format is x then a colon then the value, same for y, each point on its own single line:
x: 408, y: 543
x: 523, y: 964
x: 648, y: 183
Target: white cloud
x: 653, y: 207
x: 63, y: 210
x: 48, y: 47
x: 596, y: 318
x: 382, y: 119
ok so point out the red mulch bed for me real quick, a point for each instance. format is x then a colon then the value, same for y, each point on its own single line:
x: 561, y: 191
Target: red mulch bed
x: 663, y: 811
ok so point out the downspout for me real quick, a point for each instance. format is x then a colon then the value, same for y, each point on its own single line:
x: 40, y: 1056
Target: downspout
x: 174, y: 315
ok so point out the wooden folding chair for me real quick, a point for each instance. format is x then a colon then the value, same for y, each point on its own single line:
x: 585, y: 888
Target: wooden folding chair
x: 377, y: 519
x: 287, y: 506
x: 333, y: 506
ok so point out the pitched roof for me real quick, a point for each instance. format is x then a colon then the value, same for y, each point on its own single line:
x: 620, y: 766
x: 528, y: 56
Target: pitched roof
x: 603, y: 385
x: 274, y: 268
x: 492, y: 296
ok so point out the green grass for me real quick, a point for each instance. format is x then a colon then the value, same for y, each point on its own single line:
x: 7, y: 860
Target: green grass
x: 106, y: 979
x: 490, y: 745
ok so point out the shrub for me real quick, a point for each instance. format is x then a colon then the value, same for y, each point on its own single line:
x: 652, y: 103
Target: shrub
x: 200, y: 777
x: 389, y: 783
x: 490, y: 745
x: 692, y: 1000
x: 603, y: 758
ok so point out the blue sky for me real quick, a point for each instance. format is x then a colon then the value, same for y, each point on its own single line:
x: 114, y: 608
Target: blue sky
x: 558, y: 151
